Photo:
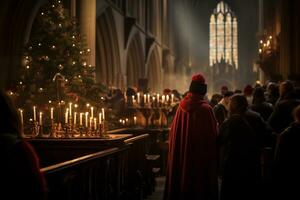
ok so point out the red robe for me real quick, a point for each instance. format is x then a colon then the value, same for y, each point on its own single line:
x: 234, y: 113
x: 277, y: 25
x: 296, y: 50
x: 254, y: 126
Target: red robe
x: 192, y: 158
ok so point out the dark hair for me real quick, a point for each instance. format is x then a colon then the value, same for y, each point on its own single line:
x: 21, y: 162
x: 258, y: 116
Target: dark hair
x: 238, y: 104
x: 258, y: 95
x: 228, y: 94
x: 9, y: 118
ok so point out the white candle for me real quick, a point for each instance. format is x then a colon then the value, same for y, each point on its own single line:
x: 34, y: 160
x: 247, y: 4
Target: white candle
x: 126, y: 120
x: 103, y: 114
x: 34, y: 113
x: 153, y: 99
x: 138, y: 97
x: 21, y: 115
x: 134, y: 120
x: 86, y: 119
x: 167, y: 98
x: 67, y: 116
x: 70, y: 109
x: 75, y: 117
x: 157, y: 97
x: 80, y: 119
x: 51, y: 113
x: 92, y: 112
x: 133, y: 98
x: 95, y: 123
x: 163, y: 98
x: 172, y: 98
x: 100, y: 118
x: 148, y: 95
x: 41, y: 118
x: 123, y: 122
x: 145, y: 98
x: 91, y: 121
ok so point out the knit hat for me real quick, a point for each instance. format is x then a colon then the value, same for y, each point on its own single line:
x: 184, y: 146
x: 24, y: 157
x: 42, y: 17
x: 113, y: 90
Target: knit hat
x: 198, y: 85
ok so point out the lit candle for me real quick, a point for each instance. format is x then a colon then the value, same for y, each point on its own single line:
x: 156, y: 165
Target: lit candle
x: 67, y: 115
x: 145, y: 98
x: 75, y: 117
x: 34, y: 113
x: 138, y: 97
x: 148, y: 95
x: 21, y: 115
x: 70, y: 109
x: 123, y: 121
x: 157, y: 97
x: 126, y: 120
x: 100, y: 118
x: 41, y: 118
x: 51, y: 112
x: 86, y: 119
x: 133, y: 98
x: 95, y: 123
x: 92, y: 112
x: 163, y: 98
x: 167, y: 98
x: 134, y: 120
x: 80, y: 119
x: 172, y: 98
x: 153, y: 99
x: 103, y: 114
x: 91, y: 121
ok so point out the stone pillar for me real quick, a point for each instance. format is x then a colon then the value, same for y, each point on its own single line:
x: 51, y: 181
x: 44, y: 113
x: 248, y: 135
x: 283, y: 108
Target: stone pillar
x: 73, y: 8
x: 88, y: 27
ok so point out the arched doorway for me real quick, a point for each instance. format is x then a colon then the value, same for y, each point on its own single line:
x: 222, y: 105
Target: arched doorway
x: 108, y: 70
x: 154, y: 72
x: 135, y: 61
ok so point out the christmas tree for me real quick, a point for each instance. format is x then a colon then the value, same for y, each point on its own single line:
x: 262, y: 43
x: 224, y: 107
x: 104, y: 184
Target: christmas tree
x: 55, y: 66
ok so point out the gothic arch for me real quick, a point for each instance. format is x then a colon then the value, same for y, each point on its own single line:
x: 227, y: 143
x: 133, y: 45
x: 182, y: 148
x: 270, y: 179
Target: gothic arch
x: 108, y: 66
x: 134, y: 61
x: 154, y: 71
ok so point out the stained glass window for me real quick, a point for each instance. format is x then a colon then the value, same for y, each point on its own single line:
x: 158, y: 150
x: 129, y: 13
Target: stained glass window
x: 223, y: 41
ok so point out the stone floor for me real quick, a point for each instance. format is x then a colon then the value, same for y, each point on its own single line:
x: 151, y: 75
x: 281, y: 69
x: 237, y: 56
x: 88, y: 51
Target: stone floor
x: 159, y: 189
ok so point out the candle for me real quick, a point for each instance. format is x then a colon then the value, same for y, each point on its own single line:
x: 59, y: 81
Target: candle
x: 91, y: 121
x: 172, y: 98
x: 66, y: 115
x: 103, y: 114
x: 123, y: 121
x: 167, y: 98
x: 134, y: 120
x: 133, y: 98
x: 157, y: 97
x: 163, y: 98
x: 92, y: 112
x: 138, y: 98
x: 153, y: 99
x: 70, y: 109
x: 21, y: 115
x: 75, y: 117
x: 100, y: 118
x: 80, y: 119
x: 41, y: 118
x: 126, y: 120
x: 34, y: 113
x: 95, y: 123
x: 86, y: 119
x: 148, y: 95
x: 145, y: 98
x: 51, y: 113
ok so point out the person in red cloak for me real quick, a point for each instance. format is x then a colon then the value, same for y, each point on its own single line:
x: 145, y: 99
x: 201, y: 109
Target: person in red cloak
x: 192, y: 159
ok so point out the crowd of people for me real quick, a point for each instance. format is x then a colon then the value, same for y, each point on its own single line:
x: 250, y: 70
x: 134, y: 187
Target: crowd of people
x: 253, y: 152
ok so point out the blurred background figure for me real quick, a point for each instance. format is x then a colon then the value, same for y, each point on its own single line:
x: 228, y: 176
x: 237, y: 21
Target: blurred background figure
x: 20, y: 171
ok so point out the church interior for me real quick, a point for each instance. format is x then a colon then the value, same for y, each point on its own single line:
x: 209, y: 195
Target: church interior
x: 97, y: 84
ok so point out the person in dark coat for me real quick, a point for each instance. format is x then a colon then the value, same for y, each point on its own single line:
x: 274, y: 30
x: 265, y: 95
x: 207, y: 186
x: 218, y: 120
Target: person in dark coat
x: 260, y: 105
x: 240, y: 140
x: 192, y: 159
x: 282, y: 117
x: 221, y: 109
x: 287, y: 163
x: 20, y: 176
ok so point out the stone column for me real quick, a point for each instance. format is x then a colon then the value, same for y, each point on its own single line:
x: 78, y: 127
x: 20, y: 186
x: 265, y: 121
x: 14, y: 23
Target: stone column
x: 88, y: 27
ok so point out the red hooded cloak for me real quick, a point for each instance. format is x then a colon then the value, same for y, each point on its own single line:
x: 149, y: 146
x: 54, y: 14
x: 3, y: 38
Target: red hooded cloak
x: 192, y: 158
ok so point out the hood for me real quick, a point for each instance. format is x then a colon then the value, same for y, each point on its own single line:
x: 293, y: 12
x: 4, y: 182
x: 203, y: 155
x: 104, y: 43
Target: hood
x: 191, y: 102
